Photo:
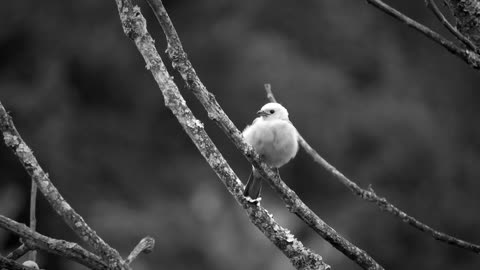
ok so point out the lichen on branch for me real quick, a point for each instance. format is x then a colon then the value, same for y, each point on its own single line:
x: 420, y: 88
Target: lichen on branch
x: 134, y: 26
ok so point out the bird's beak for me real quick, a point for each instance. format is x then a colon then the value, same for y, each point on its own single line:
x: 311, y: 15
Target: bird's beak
x: 262, y: 113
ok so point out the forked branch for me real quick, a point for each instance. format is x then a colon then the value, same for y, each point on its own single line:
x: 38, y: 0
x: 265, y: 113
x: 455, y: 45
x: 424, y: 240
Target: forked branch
x: 36, y: 241
x: 470, y: 57
x: 135, y: 27
x: 438, y: 13
x: 15, y: 142
x: 11, y: 264
x: 467, y: 18
x: 371, y: 196
x: 181, y: 63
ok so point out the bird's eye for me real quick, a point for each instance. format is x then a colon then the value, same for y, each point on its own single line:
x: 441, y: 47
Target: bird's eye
x: 272, y: 111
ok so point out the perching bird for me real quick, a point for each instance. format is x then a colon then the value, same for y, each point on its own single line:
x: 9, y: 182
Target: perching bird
x: 274, y: 138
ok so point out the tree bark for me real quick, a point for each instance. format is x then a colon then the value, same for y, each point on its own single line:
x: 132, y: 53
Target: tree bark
x: 467, y: 16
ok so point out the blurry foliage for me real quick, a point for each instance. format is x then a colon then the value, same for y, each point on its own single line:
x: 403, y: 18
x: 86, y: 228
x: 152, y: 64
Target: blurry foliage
x: 376, y: 99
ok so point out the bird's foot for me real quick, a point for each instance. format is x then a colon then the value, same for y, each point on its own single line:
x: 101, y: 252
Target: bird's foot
x: 254, y: 201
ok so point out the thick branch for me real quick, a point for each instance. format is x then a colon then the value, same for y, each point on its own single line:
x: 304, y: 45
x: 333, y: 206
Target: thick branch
x: 472, y: 58
x: 11, y: 264
x: 371, y: 196
x: 75, y: 221
x: 215, y: 112
x: 145, y: 245
x: 34, y: 240
x: 18, y: 252
x: 134, y: 26
x: 438, y: 13
x: 467, y: 14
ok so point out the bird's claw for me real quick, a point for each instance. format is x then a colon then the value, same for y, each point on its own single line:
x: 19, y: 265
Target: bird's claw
x: 254, y: 201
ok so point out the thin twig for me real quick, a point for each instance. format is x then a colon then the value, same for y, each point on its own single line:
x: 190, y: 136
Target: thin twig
x: 134, y: 26
x: 472, y: 58
x: 145, y: 245
x: 34, y: 240
x: 371, y: 196
x: 18, y: 252
x: 33, y: 219
x: 15, y: 142
x: 270, y: 96
x: 438, y: 13
x: 181, y: 63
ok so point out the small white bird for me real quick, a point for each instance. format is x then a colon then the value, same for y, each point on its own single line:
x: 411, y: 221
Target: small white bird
x: 274, y: 138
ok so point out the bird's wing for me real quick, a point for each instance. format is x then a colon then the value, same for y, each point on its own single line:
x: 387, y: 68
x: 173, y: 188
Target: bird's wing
x: 256, y: 120
x: 296, y: 131
x: 251, y: 125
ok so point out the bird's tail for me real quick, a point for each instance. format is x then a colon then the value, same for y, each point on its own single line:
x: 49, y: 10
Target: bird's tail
x: 254, y: 186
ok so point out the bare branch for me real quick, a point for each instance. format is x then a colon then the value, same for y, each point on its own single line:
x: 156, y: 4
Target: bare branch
x: 15, y: 142
x: 34, y: 240
x: 270, y: 96
x: 134, y: 26
x: 145, y: 245
x: 382, y: 203
x: 467, y: 15
x: 18, y: 252
x: 12, y: 265
x: 434, y: 8
x: 33, y: 219
x: 470, y: 57
x: 180, y: 62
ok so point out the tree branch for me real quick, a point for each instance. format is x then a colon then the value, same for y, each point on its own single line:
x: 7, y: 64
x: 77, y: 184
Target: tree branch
x: 470, y: 57
x: 33, y: 219
x: 371, y: 196
x: 145, y: 245
x: 467, y: 14
x: 15, y: 142
x: 134, y: 26
x: 181, y: 63
x: 18, y: 252
x: 34, y: 240
x: 434, y: 8
x: 270, y: 96
x: 12, y: 265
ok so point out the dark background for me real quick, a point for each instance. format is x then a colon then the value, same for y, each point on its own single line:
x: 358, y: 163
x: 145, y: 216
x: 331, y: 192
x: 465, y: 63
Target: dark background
x: 382, y: 103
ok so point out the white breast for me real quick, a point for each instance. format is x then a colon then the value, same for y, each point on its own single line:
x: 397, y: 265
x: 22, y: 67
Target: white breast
x: 275, y: 140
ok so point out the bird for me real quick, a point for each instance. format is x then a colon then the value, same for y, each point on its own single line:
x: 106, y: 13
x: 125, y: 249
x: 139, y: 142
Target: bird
x: 274, y: 138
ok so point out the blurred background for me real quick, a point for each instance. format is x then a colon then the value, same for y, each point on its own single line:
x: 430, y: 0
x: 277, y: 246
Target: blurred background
x: 379, y: 101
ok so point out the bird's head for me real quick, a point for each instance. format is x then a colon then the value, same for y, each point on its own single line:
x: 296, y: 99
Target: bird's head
x: 273, y: 111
